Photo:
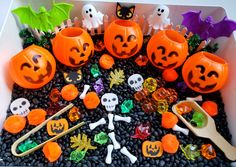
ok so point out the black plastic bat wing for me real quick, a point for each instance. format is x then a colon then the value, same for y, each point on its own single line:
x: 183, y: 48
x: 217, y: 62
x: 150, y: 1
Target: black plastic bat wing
x: 193, y: 22
x: 223, y: 28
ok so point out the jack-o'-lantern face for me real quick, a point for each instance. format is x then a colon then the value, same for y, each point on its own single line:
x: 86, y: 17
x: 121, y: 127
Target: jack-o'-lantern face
x: 73, y: 46
x: 123, y: 38
x: 167, y: 49
x: 152, y: 149
x: 205, y: 72
x: 55, y: 127
x: 33, y: 67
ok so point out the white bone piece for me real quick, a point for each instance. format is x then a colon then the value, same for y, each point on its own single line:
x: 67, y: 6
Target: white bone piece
x: 20, y: 106
x: 95, y: 124
x: 183, y: 130
x: 114, y: 141
x: 109, y: 151
x: 131, y: 157
x: 197, y: 98
x: 135, y: 81
x: 83, y: 94
x: 109, y: 100
x: 119, y: 118
x: 110, y: 124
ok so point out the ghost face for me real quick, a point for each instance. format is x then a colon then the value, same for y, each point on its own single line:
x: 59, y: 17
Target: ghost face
x: 162, y: 11
x: 89, y: 11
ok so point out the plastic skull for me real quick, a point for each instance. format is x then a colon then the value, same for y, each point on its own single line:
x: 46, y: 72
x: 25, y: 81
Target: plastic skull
x: 20, y: 106
x: 109, y: 100
x: 135, y: 81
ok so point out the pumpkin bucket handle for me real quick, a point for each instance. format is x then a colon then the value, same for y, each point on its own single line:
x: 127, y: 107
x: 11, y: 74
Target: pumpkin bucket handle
x: 27, y: 135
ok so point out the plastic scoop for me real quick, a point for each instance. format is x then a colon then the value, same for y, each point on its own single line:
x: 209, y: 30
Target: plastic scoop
x: 208, y: 130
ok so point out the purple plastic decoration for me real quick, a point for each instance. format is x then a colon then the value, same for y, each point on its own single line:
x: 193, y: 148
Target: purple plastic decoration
x: 181, y: 86
x: 142, y: 131
x: 207, y: 28
x: 98, y: 86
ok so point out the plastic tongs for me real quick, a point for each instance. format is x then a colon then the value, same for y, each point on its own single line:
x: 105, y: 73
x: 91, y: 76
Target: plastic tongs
x: 27, y: 135
x: 208, y: 131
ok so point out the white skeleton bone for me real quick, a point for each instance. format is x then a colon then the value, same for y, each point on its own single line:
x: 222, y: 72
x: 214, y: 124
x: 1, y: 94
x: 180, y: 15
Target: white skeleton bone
x: 131, y: 157
x: 119, y: 118
x: 197, y: 98
x: 113, y: 139
x: 109, y: 151
x: 110, y: 124
x: 95, y: 124
x: 83, y: 94
x: 183, y: 130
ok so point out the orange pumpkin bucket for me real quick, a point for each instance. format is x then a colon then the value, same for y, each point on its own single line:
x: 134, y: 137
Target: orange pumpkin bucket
x: 205, y: 72
x: 167, y: 49
x: 123, y: 38
x: 33, y: 67
x: 73, y: 46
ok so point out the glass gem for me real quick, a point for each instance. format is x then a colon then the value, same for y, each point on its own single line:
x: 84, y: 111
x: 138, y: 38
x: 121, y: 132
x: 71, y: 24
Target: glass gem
x: 190, y: 151
x: 141, y: 60
x: 162, y: 106
x: 99, y: 45
x: 101, y: 138
x: 198, y: 119
x: 208, y: 151
x: 183, y: 108
x: 142, y: 131
x: 116, y: 78
x: 181, y: 86
x: 74, y: 114
x: 54, y: 95
x: 126, y: 106
x: 81, y: 142
x: 98, y: 86
x: 27, y: 145
x: 149, y: 105
x: 77, y: 156
x: 54, y: 108
x: 95, y: 70
x: 168, y: 94
x: 141, y: 95
x: 150, y: 84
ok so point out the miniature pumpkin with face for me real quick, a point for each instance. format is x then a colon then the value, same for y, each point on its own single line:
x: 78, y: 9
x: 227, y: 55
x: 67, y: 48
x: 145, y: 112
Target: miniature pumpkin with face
x: 123, y: 38
x: 54, y: 127
x: 205, y: 72
x: 152, y: 149
x: 167, y: 49
x: 33, y: 67
x: 73, y: 46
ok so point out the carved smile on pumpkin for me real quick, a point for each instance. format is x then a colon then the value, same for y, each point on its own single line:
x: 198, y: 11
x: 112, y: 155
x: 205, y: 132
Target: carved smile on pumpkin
x: 73, y: 61
x: 41, y: 76
x: 206, y: 88
x: 152, y: 151
x: 122, y: 53
x: 153, y: 57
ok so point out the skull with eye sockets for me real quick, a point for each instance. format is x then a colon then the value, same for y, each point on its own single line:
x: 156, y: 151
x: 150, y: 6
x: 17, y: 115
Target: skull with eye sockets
x: 20, y: 106
x: 135, y: 81
x: 109, y: 100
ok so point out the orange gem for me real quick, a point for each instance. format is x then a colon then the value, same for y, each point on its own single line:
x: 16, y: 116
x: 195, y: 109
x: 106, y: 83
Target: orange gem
x: 14, y: 124
x: 208, y: 151
x: 106, y: 61
x: 36, y: 116
x: 91, y: 100
x: 55, y: 95
x: 52, y: 151
x: 165, y: 94
x: 99, y: 45
x: 141, y: 95
x: 183, y: 108
x: 141, y: 60
x: 74, y: 114
x: 69, y: 92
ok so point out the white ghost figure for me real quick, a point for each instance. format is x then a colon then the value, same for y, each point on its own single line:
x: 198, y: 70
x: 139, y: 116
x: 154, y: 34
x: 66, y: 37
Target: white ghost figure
x: 159, y: 18
x: 91, y: 17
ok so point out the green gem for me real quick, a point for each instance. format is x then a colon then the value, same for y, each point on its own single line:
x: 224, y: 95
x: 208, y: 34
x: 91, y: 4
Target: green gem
x: 199, y: 119
x: 126, y: 106
x: 101, y: 138
x: 190, y: 151
x: 27, y: 145
x: 95, y: 70
x: 77, y: 155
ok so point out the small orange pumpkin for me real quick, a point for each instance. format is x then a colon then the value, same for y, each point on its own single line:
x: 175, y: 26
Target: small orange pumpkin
x: 33, y: 67
x: 54, y: 127
x: 167, y: 49
x: 73, y: 46
x: 152, y: 149
x: 123, y: 38
x: 52, y: 151
x: 205, y: 72
x: 14, y: 124
x: 36, y: 116
x: 170, y: 143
